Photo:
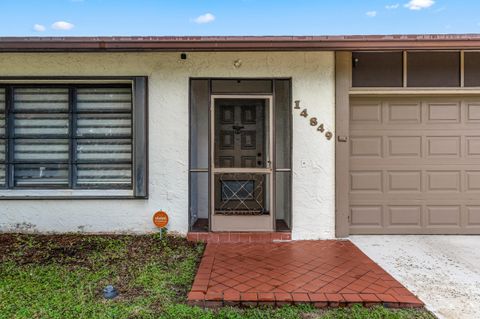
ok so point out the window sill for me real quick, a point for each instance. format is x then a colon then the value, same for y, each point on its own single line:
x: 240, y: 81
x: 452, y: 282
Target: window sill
x: 66, y: 194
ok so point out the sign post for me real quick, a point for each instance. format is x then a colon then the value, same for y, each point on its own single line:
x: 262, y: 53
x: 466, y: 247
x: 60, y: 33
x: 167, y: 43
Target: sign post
x: 160, y: 220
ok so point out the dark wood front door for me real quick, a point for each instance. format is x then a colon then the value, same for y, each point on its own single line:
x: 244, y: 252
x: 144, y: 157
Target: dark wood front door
x: 241, y: 157
x: 240, y: 133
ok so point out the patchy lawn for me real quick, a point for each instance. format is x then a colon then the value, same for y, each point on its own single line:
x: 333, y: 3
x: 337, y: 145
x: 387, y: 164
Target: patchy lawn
x: 62, y: 276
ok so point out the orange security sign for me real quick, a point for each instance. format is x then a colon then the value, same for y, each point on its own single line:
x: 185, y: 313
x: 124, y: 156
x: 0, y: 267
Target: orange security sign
x: 160, y: 219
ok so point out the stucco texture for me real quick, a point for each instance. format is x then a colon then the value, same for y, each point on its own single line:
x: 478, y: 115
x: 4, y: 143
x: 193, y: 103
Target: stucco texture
x: 312, y: 75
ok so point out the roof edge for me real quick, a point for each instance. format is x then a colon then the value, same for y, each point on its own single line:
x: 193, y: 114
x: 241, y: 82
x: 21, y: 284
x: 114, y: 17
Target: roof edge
x: 241, y: 43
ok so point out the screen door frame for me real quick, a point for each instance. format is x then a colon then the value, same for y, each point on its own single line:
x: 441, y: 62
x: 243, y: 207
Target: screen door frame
x: 247, y: 222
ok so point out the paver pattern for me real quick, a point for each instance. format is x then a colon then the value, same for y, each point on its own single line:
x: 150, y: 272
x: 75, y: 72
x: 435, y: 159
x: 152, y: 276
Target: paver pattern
x: 323, y: 273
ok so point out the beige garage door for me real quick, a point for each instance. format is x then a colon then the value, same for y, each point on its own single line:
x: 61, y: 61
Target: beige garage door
x: 414, y: 165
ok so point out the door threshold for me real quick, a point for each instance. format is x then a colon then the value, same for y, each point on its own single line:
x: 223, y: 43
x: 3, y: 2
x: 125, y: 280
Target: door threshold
x: 239, y: 237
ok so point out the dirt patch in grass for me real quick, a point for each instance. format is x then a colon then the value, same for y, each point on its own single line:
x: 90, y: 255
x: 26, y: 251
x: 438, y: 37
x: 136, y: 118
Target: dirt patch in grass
x: 125, y: 260
x: 62, y: 250
x: 81, y: 250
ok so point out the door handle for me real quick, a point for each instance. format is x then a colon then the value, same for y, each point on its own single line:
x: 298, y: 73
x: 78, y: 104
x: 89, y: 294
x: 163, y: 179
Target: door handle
x: 342, y: 139
x: 237, y: 128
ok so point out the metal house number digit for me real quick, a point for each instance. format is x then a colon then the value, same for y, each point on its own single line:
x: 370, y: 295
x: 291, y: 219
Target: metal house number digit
x: 297, y: 104
x: 304, y: 113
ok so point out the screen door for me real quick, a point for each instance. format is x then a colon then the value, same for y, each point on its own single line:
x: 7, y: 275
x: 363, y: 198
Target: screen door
x: 241, y: 161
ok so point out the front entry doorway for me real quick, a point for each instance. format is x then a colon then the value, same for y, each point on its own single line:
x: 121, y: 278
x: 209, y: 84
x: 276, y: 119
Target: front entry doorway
x: 240, y: 167
x: 241, y: 163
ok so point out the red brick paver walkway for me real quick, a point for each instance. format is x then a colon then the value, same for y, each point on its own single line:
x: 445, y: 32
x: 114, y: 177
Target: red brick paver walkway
x: 324, y: 273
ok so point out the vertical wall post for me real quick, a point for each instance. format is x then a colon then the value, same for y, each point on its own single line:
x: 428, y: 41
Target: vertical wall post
x: 343, y: 83
x: 140, y: 137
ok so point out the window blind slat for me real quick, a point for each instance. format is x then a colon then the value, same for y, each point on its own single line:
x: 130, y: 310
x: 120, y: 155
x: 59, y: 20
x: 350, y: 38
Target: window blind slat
x: 2, y: 151
x: 104, y: 106
x: 2, y: 175
x: 2, y: 162
x: 100, y: 175
x: 104, y: 99
x: 104, y: 125
x: 41, y: 175
x: 40, y: 125
x: 2, y: 125
x: 2, y: 100
x: 104, y: 150
x: 42, y: 150
x: 41, y: 99
x: 2, y: 112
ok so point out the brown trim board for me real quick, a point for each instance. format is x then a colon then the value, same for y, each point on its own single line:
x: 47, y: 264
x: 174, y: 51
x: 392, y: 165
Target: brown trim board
x: 241, y: 43
x: 343, y: 80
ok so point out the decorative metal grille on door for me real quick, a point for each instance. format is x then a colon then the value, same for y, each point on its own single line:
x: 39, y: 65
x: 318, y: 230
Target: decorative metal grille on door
x: 241, y: 194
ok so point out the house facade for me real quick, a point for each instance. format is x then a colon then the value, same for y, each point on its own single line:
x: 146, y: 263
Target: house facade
x: 318, y: 136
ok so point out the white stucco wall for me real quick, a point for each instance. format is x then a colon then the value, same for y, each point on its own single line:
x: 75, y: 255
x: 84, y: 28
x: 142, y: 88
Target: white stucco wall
x: 313, y: 155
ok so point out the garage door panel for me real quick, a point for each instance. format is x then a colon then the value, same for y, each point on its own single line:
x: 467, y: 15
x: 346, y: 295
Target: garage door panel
x: 472, y: 181
x: 401, y: 113
x: 404, y: 181
x: 404, y: 216
x: 370, y: 112
x: 366, y: 216
x: 366, y: 146
x: 415, y: 166
x: 473, y: 112
x: 414, y: 231
x: 412, y: 163
x: 473, y: 216
x: 449, y: 112
x: 444, y: 216
x: 444, y: 146
x: 366, y: 181
x: 443, y: 181
x: 473, y: 146
x: 404, y: 146
x: 412, y: 199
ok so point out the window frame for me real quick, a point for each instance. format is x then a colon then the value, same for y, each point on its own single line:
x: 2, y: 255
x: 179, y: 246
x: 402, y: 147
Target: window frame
x: 139, y: 138
x: 365, y: 80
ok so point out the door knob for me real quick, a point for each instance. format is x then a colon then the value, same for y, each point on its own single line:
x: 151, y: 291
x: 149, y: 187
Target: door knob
x: 342, y: 139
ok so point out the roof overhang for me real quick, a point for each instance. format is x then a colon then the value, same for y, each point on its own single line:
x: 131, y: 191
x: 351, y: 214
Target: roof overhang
x: 241, y: 43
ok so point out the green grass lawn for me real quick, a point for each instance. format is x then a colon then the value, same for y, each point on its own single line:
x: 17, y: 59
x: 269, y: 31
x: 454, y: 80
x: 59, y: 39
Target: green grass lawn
x: 63, y: 277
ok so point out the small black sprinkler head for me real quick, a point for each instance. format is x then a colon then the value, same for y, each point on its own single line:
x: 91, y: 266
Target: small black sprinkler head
x: 110, y: 292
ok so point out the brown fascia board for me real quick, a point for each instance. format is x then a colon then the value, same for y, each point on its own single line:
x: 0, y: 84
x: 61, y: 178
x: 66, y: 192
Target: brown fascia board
x: 242, y: 43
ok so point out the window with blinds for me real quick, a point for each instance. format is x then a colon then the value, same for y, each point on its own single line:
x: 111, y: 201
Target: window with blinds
x: 66, y: 137
x: 103, y: 138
